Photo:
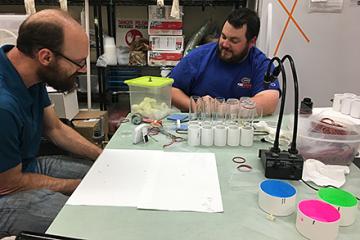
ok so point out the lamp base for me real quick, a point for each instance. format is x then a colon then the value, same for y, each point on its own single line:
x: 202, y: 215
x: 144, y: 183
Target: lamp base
x: 283, y: 165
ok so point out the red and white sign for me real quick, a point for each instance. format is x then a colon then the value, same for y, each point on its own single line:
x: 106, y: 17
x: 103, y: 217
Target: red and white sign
x: 164, y: 58
x: 166, y: 43
x: 128, y: 29
x: 160, y: 27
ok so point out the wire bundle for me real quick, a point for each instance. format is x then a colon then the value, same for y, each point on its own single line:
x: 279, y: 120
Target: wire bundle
x: 329, y: 126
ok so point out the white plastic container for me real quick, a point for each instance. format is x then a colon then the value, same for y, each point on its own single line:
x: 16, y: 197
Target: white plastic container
x: 194, y: 135
x: 329, y: 139
x: 207, y: 135
x: 110, y: 51
x: 220, y: 135
x: 343, y: 201
x: 277, y: 197
x: 317, y: 220
x: 150, y: 96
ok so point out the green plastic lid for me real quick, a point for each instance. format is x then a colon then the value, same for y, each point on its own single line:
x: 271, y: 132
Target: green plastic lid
x: 337, y: 197
x: 149, y: 81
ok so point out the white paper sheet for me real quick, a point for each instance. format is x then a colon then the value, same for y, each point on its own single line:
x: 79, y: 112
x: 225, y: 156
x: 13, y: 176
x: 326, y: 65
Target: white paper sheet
x: 183, y: 182
x: 116, y: 178
x: 152, y: 180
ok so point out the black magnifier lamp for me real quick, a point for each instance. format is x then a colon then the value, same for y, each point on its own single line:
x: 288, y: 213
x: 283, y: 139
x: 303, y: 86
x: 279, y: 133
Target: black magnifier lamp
x: 283, y: 164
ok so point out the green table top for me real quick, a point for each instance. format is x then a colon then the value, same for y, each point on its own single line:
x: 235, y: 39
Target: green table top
x: 241, y: 219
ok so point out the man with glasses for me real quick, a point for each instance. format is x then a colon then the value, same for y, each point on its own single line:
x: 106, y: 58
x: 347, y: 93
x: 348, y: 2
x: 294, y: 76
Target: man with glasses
x: 51, y: 49
x: 231, y: 68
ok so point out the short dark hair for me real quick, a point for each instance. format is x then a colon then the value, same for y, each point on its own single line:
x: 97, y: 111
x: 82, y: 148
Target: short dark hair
x: 242, y: 16
x: 35, y: 35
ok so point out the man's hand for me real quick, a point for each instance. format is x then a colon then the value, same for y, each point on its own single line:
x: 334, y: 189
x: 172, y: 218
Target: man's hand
x: 267, y: 101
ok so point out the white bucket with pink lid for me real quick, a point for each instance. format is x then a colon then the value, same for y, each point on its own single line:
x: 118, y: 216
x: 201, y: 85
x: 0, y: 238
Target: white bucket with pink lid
x: 317, y: 220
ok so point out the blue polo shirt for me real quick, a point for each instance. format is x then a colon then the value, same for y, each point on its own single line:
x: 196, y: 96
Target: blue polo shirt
x: 21, y: 117
x: 202, y: 73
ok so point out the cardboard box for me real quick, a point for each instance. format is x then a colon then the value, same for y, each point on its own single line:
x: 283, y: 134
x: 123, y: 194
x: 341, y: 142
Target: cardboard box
x: 128, y: 29
x: 166, y: 43
x: 66, y: 104
x: 93, y: 125
x: 165, y: 27
x: 164, y: 58
x: 162, y: 13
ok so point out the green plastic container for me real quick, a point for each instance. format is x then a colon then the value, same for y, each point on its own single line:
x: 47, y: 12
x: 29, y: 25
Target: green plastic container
x: 343, y: 201
x: 150, y: 96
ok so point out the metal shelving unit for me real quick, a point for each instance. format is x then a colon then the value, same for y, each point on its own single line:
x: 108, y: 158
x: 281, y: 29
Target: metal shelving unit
x: 133, y: 2
x: 110, y: 6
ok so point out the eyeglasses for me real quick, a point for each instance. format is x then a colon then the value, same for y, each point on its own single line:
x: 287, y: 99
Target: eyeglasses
x: 80, y: 64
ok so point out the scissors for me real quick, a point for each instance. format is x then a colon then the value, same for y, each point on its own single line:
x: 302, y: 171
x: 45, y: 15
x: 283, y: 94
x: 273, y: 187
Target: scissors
x: 242, y: 167
x: 173, y: 137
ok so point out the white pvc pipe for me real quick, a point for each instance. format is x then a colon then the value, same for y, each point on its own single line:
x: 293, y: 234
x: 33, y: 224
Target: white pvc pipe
x: 268, y: 29
x: 88, y: 67
x: 9, y: 32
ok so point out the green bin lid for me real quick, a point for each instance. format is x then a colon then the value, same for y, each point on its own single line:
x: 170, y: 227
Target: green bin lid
x: 337, y: 197
x: 149, y: 81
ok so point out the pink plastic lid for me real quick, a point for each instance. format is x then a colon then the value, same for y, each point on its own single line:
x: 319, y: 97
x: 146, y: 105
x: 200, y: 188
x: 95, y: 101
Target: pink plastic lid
x: 319, y: 210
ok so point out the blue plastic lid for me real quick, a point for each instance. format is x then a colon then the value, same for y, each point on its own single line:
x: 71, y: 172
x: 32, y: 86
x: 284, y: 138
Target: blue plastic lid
x: 278, y: 188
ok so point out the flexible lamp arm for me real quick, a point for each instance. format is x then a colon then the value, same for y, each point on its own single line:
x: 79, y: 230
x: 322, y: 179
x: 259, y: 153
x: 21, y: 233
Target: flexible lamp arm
x: 271, y: 77
x: 293, y: 149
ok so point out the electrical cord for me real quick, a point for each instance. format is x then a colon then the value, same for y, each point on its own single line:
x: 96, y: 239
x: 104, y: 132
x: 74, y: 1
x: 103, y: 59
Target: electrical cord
x: 269, y: 78
x: 327, y: 186
x: 293, y: 149
x: 313, y: 188
x: 155, y: 130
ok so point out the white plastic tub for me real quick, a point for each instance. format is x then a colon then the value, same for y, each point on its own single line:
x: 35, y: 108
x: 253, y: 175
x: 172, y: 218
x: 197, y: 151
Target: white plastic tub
x: 333, y: 141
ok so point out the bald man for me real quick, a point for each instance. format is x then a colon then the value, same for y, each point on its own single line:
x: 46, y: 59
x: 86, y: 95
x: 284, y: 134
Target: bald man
x: 51, y: 49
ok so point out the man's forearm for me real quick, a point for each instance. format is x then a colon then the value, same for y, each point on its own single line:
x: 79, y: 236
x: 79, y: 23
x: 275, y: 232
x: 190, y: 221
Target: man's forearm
x: 180, y: 99
x: 28, y: 181
x: 35, y: 181
x: 70, y: 140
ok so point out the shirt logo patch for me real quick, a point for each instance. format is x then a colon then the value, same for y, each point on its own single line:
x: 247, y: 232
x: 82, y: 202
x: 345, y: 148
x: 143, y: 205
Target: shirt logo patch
x: 245, y: 83
x: 272, y: 85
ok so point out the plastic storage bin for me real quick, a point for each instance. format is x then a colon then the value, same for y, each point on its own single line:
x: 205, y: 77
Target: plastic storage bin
x: 150, y: 96
x: 330, y: 140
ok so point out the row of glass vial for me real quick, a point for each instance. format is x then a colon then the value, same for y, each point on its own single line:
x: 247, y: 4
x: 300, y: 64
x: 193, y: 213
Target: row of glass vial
x: 220, y: 110
x: 206, y: 134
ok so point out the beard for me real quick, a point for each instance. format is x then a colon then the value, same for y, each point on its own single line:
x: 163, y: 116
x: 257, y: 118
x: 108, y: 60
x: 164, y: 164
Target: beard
x: 234, y: 58
x: 56, y: 78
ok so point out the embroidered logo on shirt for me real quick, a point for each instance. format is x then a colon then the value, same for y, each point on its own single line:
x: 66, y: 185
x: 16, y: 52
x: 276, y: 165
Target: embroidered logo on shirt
x: 245, y: 83
x: 272, y: 85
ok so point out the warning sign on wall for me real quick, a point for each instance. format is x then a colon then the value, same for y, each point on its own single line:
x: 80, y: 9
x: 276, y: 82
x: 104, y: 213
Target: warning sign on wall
x: 127, y: 30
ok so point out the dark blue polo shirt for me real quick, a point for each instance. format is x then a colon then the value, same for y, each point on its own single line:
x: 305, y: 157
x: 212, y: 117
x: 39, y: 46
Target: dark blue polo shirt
x: 203, y: 73
x: 21, y: 117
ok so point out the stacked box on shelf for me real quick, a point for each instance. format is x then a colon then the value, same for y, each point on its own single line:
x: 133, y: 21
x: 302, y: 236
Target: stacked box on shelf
x: 165, y: 37
x: 115, y: 77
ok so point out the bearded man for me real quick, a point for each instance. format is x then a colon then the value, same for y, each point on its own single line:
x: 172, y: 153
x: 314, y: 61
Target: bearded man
x: 51, y: 49
x: 231, y: 68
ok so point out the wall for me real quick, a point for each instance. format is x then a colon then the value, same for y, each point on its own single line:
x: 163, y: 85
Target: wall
x: 326, y: 65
